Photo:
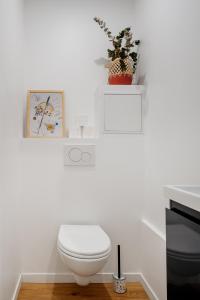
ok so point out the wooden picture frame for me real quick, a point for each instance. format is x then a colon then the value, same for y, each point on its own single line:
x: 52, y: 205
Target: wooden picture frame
x: 45, y: 114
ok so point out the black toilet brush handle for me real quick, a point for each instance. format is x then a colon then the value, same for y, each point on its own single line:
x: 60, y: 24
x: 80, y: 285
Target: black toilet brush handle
x: 119, y: 261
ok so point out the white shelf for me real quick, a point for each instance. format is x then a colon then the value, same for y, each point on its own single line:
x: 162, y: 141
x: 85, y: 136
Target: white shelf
x: 123, y: 89
x: 64, y: 140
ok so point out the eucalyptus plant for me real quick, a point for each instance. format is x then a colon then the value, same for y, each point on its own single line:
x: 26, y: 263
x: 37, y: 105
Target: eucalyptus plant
x: 123, y: 45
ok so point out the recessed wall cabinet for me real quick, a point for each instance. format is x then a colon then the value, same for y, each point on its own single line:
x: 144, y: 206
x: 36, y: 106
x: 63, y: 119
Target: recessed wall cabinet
x: 121, y: 109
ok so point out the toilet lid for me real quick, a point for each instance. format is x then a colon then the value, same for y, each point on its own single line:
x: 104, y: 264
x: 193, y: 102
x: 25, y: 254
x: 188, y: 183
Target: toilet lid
x: 83, y: 241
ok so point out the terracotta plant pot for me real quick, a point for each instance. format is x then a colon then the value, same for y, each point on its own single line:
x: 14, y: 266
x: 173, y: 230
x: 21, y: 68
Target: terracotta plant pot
x: 124, y: 79
x: 117, y: 76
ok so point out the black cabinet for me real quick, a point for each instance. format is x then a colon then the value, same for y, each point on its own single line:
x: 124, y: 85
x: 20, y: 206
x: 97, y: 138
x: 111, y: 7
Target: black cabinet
x: 183, y: 252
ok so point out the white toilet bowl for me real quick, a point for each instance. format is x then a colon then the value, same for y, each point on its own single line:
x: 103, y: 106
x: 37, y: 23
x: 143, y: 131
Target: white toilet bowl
x: 84, y: 249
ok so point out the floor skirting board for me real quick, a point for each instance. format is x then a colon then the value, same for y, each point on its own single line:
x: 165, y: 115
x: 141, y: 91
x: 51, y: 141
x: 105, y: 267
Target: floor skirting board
x: 148, y: 289
x: 17, y: 288
x: 98, y: 278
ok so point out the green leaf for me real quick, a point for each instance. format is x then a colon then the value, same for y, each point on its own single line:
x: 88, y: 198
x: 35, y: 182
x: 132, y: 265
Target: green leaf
x: 122, y: 65
x: 133, y: 55
x: 117, y: 44
x: 111, y: 53
x: 123, y: 54
x: 121, y: 34
x: 137, y: 42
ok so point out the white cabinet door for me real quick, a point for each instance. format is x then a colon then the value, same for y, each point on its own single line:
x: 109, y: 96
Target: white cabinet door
x: 122, y: 113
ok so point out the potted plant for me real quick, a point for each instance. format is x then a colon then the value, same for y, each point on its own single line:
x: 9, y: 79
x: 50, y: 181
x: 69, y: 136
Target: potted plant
x: 123, y: 57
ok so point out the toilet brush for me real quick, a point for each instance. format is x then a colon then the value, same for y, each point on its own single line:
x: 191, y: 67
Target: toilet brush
x: 119, y: 281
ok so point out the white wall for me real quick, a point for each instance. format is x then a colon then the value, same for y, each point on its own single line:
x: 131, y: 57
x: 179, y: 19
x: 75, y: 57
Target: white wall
x: 57, y: 38
x: 63, y: 44
x: 10, y: 94
x: 171, y: 67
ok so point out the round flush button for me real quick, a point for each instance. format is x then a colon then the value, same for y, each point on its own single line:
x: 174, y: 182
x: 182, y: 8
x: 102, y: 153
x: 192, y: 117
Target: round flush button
x: 75, y: 154
x: 86, y: 156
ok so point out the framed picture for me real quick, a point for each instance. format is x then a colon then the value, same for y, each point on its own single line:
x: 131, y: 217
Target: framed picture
x: 45, y: 114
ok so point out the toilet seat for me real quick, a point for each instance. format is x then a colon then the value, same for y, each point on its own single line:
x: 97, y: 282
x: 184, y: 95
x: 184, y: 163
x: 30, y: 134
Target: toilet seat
x: 76, y: 256
x: 84, y: 241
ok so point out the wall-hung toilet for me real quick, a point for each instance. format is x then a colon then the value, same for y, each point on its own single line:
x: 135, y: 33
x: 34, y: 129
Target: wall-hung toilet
x: 84, y: 249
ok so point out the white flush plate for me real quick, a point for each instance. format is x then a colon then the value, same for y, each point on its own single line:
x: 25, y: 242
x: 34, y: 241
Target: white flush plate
x: 79, y: 155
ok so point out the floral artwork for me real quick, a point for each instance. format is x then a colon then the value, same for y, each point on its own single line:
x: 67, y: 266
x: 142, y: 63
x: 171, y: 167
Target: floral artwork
x: 45, y: 114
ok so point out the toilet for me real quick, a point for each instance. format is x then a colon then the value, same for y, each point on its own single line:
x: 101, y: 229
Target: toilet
x: 84, y: 249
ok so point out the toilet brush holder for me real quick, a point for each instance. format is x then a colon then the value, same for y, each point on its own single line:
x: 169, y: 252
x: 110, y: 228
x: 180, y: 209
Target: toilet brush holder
x: 119, y: 284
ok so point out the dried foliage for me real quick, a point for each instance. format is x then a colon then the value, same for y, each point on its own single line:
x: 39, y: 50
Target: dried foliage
x: 123, y: 45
